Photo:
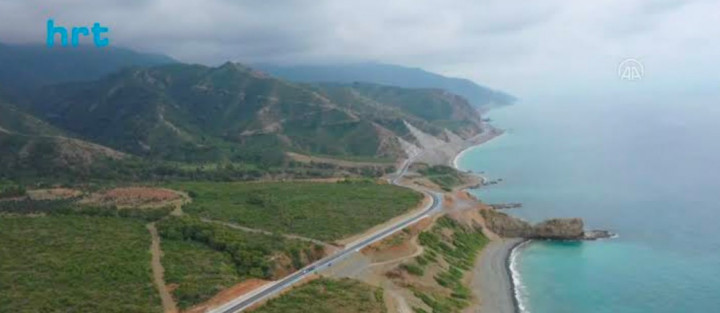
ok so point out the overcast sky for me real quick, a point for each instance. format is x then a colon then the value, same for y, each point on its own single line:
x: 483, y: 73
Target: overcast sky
x: 518, y: 46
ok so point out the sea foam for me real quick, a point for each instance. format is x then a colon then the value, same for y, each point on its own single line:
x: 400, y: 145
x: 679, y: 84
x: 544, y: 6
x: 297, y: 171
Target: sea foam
x: 519, y: 290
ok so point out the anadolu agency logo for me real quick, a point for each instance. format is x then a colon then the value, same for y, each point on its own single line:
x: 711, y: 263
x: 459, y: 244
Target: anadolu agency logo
x: 75, y: 34
x: 631, y: 69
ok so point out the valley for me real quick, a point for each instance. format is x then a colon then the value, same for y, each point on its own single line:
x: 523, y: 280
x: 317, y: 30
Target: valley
x: 244, y: 191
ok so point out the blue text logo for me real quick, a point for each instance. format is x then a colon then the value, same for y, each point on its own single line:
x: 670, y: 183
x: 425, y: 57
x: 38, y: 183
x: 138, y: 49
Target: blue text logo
x: 97, y: 32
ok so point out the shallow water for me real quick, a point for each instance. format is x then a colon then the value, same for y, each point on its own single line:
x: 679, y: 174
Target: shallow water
x: 649, y: 171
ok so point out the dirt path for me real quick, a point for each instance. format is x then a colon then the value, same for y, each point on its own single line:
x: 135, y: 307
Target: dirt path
x: 344, y: 163
x: 159, y: 272
x: 399, y: 304
x: 419, y: 249
x: 329, y: 248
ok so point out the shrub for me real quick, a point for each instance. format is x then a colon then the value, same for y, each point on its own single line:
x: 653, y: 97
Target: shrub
x: 413, y: 269
x: 12, y: 191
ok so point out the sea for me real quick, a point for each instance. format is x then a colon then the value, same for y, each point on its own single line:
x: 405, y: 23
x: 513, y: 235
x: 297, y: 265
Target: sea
x: 648, y: 170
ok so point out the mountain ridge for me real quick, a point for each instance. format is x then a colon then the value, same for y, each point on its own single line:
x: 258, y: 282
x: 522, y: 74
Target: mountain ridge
x: 482, y: 97
x: 228, y: 114
x: 29, y: 66
x: 210, y: 113
x: 32, y: 146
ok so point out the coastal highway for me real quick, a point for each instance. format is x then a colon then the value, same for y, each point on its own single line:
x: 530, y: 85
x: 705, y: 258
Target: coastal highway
x: 269, y: 290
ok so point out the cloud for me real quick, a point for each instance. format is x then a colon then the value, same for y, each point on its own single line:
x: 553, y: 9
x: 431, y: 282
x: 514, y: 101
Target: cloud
x: 522, y: 46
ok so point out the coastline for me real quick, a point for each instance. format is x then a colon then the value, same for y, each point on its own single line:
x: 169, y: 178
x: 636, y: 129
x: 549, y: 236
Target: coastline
x: 454, y: 162
x: 514, y: 274
x: 495, y: 281
x: 475, y: 142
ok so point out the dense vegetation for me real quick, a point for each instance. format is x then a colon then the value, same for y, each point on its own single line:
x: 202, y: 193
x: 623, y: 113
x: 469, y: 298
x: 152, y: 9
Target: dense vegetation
x: 199, y: 271
x: 75, y: 264
x: 14, y: 119
x: 193, y: 113
x: 69, y: 207
x: 459, y: 254
x: 203, y: 258
x: 33, y: 150
x: 434, y: 108
x: 11, y: 191
x: 444, y: 176
x: 44, y: 165
x: 328, y: 296
x: 162, y: 121
x: 251, y: 252
x: 324, y: 211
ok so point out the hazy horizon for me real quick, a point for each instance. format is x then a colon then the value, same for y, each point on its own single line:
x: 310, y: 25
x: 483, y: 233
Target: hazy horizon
x: 524, y: 49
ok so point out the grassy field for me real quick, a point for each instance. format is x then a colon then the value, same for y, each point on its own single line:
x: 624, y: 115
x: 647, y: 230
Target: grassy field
x: 75, y: 264
x: 204, y: 258
x: 328, y: 296
x: 324, y: 211
x: 199, y: 271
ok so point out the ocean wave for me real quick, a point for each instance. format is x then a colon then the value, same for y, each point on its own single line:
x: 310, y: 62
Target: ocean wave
x: 519, y: 289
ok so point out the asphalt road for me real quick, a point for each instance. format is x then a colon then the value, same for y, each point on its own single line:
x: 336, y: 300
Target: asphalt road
x: 274, y: 288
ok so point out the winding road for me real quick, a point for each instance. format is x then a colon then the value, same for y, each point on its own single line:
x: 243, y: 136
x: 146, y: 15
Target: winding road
x: 241, y: 303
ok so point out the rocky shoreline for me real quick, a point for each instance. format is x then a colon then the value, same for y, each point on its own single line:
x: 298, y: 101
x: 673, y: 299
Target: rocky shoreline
x: 553, y: 229
x: 504, y: 206
x: 497, y: 283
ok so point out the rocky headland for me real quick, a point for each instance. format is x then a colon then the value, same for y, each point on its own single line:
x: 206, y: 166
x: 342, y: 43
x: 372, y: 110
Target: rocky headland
x: 503, y: 206
x: 552, y: 229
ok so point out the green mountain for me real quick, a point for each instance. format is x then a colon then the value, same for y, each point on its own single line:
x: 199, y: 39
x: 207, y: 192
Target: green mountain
x: 233, y: 113
x: 14, y: 120
x: 431, y: 110
x: 31, y: 147
x: 481, y: 97
x: 26, y: 67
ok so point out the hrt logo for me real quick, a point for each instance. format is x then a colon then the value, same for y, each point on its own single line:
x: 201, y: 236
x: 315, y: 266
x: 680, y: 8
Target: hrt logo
x: 97, y: 32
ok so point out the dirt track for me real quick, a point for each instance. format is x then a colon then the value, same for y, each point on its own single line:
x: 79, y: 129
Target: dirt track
x: 159, y: 272
x: 328, y: 247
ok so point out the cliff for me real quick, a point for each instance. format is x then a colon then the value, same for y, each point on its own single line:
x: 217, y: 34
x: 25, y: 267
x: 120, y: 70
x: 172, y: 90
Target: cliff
x: 560, y: 228
x: 506, y: 225
x: 554, y: 229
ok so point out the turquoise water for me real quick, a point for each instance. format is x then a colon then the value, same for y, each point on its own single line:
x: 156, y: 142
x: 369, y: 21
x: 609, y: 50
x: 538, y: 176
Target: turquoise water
x: 649, y: 171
